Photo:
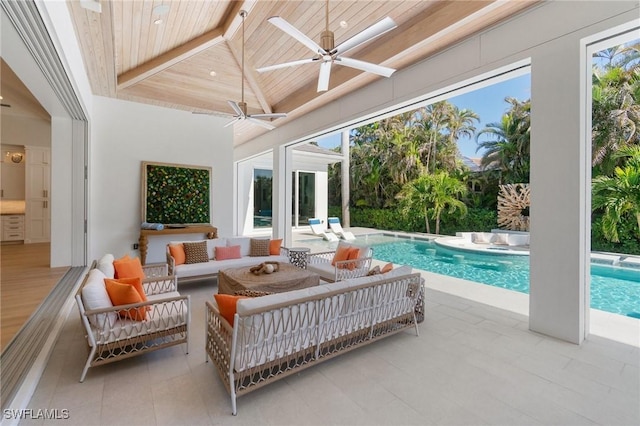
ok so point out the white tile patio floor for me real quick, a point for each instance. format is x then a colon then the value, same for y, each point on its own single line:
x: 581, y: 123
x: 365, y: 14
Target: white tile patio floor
x: 474, y: 363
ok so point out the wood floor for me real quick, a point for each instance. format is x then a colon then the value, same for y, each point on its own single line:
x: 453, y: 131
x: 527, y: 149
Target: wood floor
x: 25, y: 280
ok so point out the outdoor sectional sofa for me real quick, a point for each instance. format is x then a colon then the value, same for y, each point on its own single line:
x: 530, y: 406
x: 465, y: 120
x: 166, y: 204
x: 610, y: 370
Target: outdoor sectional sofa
x: 209, y: 269
x: 277, y: 335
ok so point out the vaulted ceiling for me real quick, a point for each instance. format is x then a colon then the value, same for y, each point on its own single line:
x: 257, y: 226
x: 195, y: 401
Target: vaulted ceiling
x: 129, y: 55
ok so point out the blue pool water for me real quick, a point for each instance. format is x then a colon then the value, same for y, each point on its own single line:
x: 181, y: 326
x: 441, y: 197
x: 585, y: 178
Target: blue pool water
x: 613, y: 289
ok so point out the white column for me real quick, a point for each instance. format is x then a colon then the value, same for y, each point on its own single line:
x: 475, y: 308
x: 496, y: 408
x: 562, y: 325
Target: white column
x: 346, y: 190
x: 281, y: 193
x: 559, y: 215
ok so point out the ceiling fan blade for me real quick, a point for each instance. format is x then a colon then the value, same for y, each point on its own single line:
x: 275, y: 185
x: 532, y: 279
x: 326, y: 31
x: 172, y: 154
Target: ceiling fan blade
x: 365, y: 66
x: 323, y: 78
x: 236, y: 108
x: 235, y: 120
x: 296, y: 33
x: 285, y: 65
x: 368, y: 34
x: 264, y: 124
x: 269, y: 115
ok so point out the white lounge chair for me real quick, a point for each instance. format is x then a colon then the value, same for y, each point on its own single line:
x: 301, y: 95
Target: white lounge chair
x: 334, y: 224
x: 318, y: 229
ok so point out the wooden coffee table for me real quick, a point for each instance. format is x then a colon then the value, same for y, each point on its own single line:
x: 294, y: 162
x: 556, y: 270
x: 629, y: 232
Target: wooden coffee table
x: 287, y: 278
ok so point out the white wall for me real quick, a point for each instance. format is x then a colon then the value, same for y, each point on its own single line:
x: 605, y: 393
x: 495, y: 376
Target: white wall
x: 552, y: 44
x: 18, y: 130
x: 123, y: 134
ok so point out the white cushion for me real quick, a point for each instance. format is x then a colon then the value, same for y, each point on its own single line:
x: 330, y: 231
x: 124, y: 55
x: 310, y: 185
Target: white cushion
x: 500, y: 238
x: 325, y: 270
x: 95, y: 296
x: 214, y: 266
x: 518, y: 239
x: 105, y: 264
x: 481, y: 237
x: 243, y: 242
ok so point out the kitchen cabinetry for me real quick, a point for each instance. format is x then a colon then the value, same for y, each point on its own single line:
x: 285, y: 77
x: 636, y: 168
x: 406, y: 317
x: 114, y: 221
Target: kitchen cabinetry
x: 37, y: 191
x: 13, y: 227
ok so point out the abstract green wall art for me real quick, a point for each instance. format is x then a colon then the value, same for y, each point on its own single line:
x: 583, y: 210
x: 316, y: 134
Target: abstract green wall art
x: 176, y: 194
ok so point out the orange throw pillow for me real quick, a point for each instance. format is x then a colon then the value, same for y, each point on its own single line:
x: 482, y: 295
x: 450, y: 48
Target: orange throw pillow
x: 274, y: 247
x: 125, y: 294
x: 342, y: 253
x: 177, y: 252
x: 386, y: 268
x: 134, y: 282
x: 128, y: 267
x: 227, y: 305
x: 354, y: 253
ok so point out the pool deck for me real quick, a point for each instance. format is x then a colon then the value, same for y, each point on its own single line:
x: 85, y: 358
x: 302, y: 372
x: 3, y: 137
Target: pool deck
x: 604, y: 324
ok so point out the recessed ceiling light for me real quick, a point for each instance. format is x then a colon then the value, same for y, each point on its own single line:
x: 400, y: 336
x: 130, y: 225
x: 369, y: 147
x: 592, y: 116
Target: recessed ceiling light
x: 344, y: 24
x: 158, y: 21
x: 213, y: 73
x: 161, y: 9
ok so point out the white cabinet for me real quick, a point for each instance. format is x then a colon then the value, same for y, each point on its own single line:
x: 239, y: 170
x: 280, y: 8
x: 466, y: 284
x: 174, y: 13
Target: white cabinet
x: 13, y: 227
x: 37, y: 195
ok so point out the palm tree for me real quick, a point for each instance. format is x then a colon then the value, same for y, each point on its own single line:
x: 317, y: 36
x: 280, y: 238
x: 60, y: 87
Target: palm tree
x: 615, y: 114
x: 619, y: 195
x: 507, y: 146
x: 433, y: 194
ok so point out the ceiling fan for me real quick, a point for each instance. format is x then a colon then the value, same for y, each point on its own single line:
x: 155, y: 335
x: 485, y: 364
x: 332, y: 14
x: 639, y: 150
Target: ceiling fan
x: 240, y: 108
x: 327, y: 53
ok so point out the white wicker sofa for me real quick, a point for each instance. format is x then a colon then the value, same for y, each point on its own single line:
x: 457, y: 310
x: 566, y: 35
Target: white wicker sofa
x: 112, y: 336
x: 279, y: 334
x: 197, y: 271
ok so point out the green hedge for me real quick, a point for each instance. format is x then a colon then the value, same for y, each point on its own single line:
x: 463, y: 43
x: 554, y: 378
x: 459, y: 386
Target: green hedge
x: 480, y: 220
x: 628, y: 233
x: 477, y: 219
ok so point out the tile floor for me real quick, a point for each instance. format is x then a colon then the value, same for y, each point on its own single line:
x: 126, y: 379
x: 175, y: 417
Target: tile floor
x: 475, y: 362
x: 472, y: 364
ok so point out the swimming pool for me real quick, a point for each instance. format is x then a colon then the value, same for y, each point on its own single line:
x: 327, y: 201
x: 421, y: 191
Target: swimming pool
x: 613, y: 289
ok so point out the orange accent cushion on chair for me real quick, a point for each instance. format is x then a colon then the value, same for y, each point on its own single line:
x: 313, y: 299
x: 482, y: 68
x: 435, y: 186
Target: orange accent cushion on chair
x: 128, y: 267
x: 386, y: 268
x: 354, y: 253
x: 342, y: 253
x: 135, y: 282
x: 125, y: 294
x: 177, y: 252
x: 274, y: 247
x: 227, y: 305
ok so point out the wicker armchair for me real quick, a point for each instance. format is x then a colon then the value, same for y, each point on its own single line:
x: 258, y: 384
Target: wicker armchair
x: 321, y: 264
x: 111, y: 333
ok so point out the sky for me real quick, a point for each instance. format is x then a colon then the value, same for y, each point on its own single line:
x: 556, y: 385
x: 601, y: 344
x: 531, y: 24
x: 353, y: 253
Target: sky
x: 487, y: 102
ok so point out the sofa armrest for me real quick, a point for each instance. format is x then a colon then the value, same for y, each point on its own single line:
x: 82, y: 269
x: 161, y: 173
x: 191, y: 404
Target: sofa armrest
x: 104, y: 319
x: 155, y: 270
x: 160, y: 285
x: 171, y: 263
x: 284, y: 251
x: 322, y: 257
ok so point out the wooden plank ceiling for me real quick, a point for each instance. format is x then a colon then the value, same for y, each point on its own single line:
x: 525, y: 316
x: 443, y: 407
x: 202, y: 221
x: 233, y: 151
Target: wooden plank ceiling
x: 129, y: 56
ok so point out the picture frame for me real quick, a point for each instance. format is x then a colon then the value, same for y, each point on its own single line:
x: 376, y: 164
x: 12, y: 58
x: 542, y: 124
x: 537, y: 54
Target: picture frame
x: 176, y: 194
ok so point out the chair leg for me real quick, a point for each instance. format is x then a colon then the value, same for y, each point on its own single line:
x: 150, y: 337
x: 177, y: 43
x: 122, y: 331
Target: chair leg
x: 87, y: 364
